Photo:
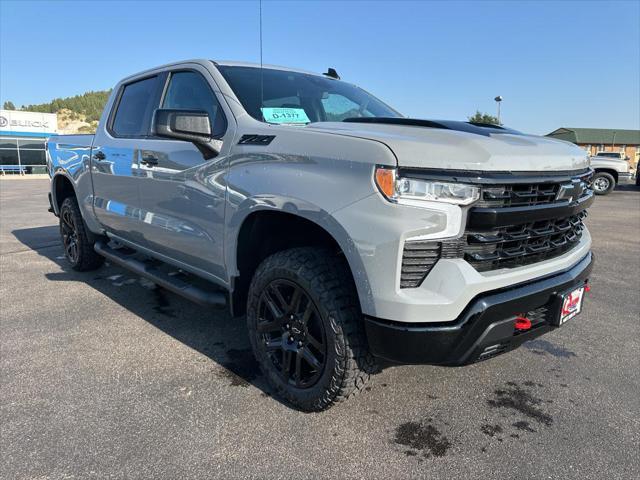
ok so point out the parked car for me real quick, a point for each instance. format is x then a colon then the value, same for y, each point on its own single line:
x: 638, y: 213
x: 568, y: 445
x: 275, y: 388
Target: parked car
x: 616, y: 155
x: 350, y: 236
x: 611, y: 168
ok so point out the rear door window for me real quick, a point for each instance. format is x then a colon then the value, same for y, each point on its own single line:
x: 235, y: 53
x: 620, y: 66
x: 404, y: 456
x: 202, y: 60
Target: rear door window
x: 136, y: 105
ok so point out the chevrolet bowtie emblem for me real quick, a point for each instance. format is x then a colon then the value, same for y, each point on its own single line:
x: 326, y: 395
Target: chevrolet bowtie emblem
x: 570, y: 191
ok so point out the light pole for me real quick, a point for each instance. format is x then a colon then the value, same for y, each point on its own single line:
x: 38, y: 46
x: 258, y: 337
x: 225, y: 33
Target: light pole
x: 498, y: 99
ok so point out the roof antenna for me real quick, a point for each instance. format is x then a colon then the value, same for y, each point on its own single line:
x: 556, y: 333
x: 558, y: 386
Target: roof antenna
x: 331, y: 73
x: 261, y: 68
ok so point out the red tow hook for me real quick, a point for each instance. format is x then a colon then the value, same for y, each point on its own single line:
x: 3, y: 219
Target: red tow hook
x: 522, y: 323
x: 587, y: 287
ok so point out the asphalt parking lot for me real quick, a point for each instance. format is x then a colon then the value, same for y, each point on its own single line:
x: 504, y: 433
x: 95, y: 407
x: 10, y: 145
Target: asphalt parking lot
x: 104, y: 376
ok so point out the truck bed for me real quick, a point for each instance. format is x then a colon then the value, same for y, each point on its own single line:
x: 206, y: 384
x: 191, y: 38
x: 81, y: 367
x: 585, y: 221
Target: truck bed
x: 64, y: 151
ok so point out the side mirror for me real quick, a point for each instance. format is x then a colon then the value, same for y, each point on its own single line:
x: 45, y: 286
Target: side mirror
x: 188, y: 125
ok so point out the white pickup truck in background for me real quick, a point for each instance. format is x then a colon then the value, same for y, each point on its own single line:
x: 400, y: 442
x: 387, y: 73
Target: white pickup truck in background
x: 611, y: 168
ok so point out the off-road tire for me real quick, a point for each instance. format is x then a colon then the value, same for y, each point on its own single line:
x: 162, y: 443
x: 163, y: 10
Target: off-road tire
x: 326, y: 280
x: 85, y: 257
x: 603, y: 177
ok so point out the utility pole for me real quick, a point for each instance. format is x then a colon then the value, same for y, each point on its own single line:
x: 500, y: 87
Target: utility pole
x: 498, y: 100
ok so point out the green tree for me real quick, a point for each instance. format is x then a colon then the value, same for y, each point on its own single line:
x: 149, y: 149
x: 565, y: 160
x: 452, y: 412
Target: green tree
x: 479, y: 117
x: 8, y: 105
x: 89, y: 104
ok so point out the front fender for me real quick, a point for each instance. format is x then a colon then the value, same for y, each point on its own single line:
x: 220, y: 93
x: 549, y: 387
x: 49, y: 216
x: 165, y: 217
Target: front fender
x: 307, y: 211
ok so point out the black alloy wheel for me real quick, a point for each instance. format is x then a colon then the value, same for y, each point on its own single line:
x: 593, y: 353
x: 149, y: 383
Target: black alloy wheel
x: 70, y: 236
x: 305, y: 327
x: 77, y: 242
x: 292, y: 333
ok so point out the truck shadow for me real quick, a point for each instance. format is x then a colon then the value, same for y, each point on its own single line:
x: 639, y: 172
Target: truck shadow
x: 627, y: 188
x: 212, y: 333
x: 35, y: 238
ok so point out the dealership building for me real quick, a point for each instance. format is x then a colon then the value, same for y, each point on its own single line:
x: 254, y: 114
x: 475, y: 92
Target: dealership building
x: 22, y: 140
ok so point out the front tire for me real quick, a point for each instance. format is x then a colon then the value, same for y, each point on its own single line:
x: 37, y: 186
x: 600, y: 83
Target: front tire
x: 603, y: 183
x: 78, y: 250
x: 306, y: 329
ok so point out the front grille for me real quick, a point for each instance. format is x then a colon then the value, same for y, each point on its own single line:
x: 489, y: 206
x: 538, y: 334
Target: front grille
x: 522, y: 244
x: 517, y: 221
x: 518, y: 195
x: 527, y: 194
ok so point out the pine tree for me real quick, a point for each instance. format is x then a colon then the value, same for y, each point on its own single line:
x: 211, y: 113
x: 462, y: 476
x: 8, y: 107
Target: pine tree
x: 479, y: 117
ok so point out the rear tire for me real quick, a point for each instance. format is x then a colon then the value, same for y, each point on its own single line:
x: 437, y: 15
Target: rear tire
x: 603, y: 183
x: 78, y: 250
x: 306, y: 328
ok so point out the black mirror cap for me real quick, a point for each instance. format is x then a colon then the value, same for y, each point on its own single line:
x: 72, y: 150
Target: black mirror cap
x: 189, y: 125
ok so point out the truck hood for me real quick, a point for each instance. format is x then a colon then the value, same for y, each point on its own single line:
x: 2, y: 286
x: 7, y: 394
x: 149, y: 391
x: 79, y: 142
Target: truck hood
x: 607, y: 162
x: 461, y: 145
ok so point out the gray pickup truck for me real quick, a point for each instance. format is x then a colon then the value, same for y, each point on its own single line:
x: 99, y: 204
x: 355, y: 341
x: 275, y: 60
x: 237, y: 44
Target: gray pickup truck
x: 610, y: 169
x: 350, y: 237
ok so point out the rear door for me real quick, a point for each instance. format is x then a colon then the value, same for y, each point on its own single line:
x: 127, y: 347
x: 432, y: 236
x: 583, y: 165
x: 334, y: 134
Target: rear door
x: 116, y: 157
x: 182, y: 194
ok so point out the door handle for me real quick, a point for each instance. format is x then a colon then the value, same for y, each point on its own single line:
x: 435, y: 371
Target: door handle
x: 149, y: 160
x: 99, y: 156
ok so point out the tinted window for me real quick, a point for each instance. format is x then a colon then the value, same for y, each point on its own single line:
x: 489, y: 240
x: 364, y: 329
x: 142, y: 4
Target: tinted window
x: 8, y: 143
x: 190, y: 91
x: 32, y: 157
x: 33, y: 144
x: 134, y: 109
x: 8, y: 157
x: 322, y: 99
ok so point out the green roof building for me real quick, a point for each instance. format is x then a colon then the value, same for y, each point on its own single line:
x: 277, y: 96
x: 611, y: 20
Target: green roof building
x: 596, y: 140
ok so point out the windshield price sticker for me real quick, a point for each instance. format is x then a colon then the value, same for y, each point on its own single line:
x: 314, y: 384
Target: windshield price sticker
x: 285, y: 115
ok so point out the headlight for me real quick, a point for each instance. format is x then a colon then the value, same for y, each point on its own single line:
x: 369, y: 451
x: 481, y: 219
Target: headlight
x: 399, y: 189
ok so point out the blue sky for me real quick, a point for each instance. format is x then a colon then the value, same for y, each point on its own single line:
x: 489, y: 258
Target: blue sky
x: 555, y: 63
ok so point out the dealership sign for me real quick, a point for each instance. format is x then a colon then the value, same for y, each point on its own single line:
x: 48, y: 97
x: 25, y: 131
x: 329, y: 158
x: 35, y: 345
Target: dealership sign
x: 27, y: 122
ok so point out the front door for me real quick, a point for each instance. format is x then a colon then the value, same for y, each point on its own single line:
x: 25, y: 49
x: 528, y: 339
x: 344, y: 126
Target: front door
x: 182, y: 195
x: 116, y: 158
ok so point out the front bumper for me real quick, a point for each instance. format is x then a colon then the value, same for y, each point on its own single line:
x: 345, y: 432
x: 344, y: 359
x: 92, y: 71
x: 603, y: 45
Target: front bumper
x: 375, y: 232
x: 484, y: 329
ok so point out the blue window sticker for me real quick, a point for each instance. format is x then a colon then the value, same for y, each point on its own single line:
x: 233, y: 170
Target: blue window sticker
x: 285, y: 115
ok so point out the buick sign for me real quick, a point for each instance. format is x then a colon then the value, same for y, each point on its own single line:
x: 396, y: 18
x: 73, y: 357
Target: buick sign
x: 28, y: 122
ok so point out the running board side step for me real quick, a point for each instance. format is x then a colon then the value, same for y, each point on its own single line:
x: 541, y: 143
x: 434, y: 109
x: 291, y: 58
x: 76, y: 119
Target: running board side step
x: 175, y: 285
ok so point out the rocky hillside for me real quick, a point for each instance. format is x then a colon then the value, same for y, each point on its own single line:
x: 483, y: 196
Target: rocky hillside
x: 70, y: 122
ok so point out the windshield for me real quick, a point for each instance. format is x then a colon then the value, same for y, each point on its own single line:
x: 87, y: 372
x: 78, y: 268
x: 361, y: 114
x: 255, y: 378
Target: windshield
x: 299, y: 98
